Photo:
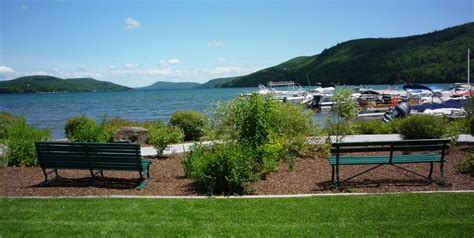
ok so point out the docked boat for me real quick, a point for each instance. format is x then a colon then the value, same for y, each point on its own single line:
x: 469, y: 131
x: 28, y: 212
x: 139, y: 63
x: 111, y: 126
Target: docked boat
x: 461, y: 90
x: 288, y: 91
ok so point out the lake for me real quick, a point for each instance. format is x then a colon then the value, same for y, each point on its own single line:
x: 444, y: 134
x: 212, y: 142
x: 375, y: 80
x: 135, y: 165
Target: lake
x: 51, y: 110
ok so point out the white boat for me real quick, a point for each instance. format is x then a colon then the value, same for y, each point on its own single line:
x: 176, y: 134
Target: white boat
x: 285, y: 91
x: 461, y: 89
x: 450, y: 112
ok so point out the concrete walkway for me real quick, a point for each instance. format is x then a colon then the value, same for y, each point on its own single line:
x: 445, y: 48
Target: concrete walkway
x: 180, y: 148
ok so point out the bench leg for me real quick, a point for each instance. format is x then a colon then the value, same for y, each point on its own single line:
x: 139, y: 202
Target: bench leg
x: 56, y: 172
x: 338, y: 183
x: 148, y: 171
x: 442, y: 181
x: 92, y: 181
x: 431, y: 172
x: 332, y: 173
x: 46, y: 182
x: 143, y: 181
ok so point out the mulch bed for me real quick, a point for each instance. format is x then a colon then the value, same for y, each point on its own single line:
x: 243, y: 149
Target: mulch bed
x: 310, y: 175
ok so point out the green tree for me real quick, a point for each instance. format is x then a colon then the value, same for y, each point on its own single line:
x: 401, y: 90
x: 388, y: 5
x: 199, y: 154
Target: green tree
x: 343, y: 111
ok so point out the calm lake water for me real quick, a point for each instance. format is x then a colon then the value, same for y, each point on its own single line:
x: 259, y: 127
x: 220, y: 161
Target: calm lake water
x: 52, y: 110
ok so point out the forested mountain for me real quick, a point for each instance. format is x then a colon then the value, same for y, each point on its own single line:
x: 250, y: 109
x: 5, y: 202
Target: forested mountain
x: 160, y: 85
x: 437, y: 57
x: 216, y: 83
x: 41, y: 83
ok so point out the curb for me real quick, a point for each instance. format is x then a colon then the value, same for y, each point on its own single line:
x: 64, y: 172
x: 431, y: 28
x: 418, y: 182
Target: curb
x: 234, y: 197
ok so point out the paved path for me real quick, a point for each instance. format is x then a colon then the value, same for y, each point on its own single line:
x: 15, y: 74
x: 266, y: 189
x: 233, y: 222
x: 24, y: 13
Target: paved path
x: 180, y: 148
x: 172, y: 149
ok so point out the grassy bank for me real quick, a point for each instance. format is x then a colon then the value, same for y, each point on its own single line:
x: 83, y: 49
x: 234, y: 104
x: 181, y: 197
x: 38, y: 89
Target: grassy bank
x: 412, y: 215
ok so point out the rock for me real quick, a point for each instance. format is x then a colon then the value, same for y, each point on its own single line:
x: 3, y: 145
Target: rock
x: 132, y: 135
x: 2, y: 151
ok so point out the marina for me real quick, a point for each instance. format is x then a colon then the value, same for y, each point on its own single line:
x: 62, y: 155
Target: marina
x: 372, y: 103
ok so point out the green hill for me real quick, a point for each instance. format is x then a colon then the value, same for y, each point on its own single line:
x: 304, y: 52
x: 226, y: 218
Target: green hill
x: 437, y: 57
x: 40, y: 84
x: 160, y: 85
x: 216, y: 83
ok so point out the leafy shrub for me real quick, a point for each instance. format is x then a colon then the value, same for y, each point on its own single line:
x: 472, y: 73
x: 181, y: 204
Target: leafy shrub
x: 423, y: 127
x: 467, y: 165
x: 21, y: 143
x: 292, y: 121
x: 256, y: 133
x: 192, y: 123
x: 469, y: 107
x: 161, y: 136
x: 373, y: 127
x: 252, y: 120
x: 456, y: 127
x: 471, y: 124
x: 256, y: 121
x: 82, y: 129
x: 6, y: 119
x: 339, y: 129
x: 221, y: 168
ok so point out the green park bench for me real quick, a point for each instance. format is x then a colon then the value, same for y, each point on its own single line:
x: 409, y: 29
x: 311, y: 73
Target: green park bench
x: 397, y: 152
x: 95, y: 157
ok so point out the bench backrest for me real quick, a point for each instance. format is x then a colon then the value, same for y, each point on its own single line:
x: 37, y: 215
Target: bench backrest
x: 116, y: 156
x: 391, y: 146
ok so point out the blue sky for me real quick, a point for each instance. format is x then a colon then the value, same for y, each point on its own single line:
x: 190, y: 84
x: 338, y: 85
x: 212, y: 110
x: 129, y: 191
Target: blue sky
x: 136, y: 43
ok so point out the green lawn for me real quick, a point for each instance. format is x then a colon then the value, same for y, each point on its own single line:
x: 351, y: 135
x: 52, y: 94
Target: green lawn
x: 412, y: 215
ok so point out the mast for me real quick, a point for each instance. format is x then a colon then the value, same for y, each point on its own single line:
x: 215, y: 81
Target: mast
x: 468, y: 69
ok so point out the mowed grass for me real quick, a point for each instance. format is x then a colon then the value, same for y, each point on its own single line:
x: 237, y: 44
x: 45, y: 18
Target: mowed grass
x: 404, y: 215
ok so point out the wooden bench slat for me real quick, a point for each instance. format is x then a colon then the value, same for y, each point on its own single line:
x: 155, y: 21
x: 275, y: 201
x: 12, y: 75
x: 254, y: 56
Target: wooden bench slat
x: 387, y: 148
x: 353, y: 160
x: 360, y: 149
x: 359, y: 160
x: 400, y: 142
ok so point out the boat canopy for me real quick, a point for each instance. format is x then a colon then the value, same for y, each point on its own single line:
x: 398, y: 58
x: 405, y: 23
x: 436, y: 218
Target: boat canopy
x: 415, y: 87
x: 452, y: 103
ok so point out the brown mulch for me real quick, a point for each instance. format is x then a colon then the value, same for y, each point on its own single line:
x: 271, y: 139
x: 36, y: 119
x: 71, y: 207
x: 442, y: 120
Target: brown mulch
x: 310, y: 175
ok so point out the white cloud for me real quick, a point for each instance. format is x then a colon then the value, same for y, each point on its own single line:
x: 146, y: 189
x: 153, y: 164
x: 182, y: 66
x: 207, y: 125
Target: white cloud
x: 135, y: 75
x: 132, y: 71
x: 131, y: 23
x: 6, y: 70
x: 223, y: 70
x: 221, y: 59
x: 170, y: 62
x: 62, y: 74
x: 131, y: 66
x: 216, y: 43
x: 158, y: 72
x: 79, y: 73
